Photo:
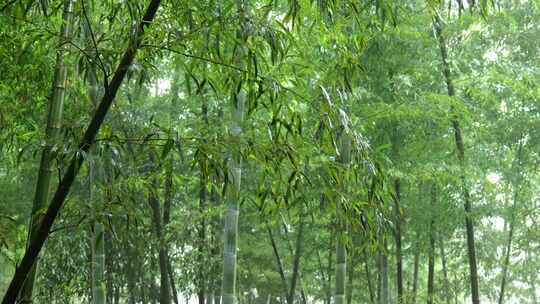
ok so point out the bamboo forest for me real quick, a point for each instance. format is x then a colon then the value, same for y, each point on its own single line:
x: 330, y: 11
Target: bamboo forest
x: 270, y: 151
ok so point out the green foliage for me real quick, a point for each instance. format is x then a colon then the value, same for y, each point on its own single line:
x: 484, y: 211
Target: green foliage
x: 314, y: 73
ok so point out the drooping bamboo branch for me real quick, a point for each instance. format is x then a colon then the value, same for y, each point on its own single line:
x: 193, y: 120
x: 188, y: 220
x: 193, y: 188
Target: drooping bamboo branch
x: 42, y: 232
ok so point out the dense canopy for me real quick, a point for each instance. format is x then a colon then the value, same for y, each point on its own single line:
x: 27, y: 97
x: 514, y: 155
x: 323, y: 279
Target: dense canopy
x: 272, y: 152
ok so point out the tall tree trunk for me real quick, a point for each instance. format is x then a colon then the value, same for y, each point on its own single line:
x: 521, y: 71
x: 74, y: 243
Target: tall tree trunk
x: 154, y: 291
x: 416, y: 263
x: 234, y: 174
x: 329, y: 272
x: 109, y: 267
x: 131, y: 266
x: 322, y: 273
x: 279, y: 262
x: 164, y: 289
x: 99, y: 290
x: 508, y: 249
x: 395, y: 140
x: 471, y: 250
x: 171, y: 280
x: 416, y: 267
x: 46, y: 222
x: 52, y: 138
x: 447, y: 289
x: 296, y: 253
x: 368, y: 279
x: 228, y: 288
x: 431, y: 251
x: 399, y: 258
x: 169, y: 190
x: 203, y: 181
x: 167, y: 203
x: 384, y: 274
x: 341, y: 251
x: 350, y: 279
x: 215, y: 250
x: 382, y: 268
x: 531, y: 278
x: 378, y: 264
x: 296, y: 262
x: 341, y: 268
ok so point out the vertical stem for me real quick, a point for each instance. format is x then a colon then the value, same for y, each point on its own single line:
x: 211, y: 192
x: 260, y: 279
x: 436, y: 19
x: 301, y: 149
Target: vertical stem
x: 171, y: 280
x: 384, y: 274
x: 99, y: 287
x: 130, y: 265
x: 471, y: 250
x: 350, y: 277
x: 215, y: 250
x: 52, y: 137
x: 278, y: 259
x: 228, y: 288
x: 296, y: 253
x: 448, y: 289
x: 64, y: 186
x: 399, y: 259
x: 415, y: 273
x: 416, y: 253
x: 167, y: 203
x: 378, y: 265
x: 319, y: 260
x: 508, y: 249
x: 531, y: 278
x: 98, y: 264
x: 341, y: 251
x: 368, y: 278
x: 164, y: 291
x: 203, y: 181
x: 431, y: 251
x: 341, y: 268
x: 296, y: 261
x: 108, y: 269
x: 329, y: 272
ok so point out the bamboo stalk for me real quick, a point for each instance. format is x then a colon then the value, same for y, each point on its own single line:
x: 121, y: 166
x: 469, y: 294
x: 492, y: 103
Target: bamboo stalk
x: 52, y: 137
x: 42, y: 232
x: 341, y: 251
